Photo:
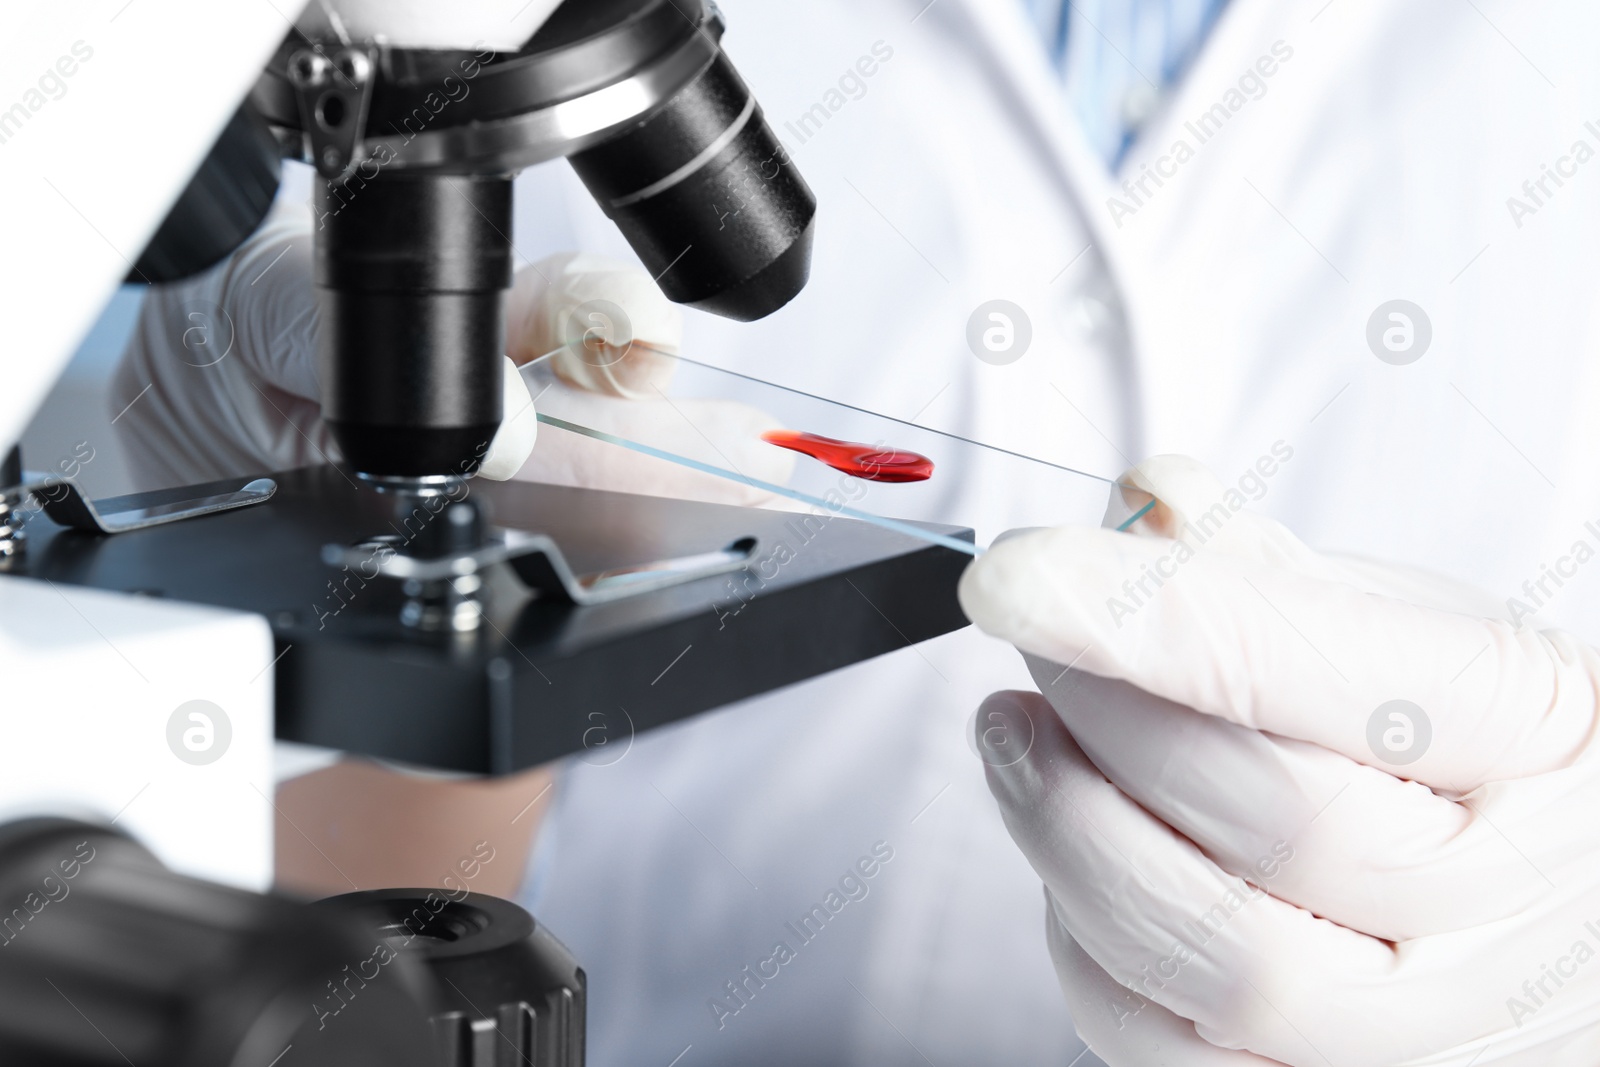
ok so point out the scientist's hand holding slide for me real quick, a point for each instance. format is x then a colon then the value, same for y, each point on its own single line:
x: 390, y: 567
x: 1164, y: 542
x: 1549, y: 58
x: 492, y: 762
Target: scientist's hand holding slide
x: 1314, y: 808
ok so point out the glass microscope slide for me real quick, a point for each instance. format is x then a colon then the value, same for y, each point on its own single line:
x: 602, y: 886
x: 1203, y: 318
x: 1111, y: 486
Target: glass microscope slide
x: 799, y: 452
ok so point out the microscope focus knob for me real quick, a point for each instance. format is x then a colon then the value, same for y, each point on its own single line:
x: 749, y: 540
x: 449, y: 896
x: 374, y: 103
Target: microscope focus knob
x: 511, y: 995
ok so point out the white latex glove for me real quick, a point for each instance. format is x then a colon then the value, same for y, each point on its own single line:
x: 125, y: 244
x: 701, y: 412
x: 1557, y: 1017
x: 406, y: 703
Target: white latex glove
x: 592, y: 312
x: 220, y: 376
x: 1234, y: 874
x: 613, y: 335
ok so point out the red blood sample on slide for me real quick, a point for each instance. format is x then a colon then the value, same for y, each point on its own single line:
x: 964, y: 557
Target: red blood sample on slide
x: 863, y: 461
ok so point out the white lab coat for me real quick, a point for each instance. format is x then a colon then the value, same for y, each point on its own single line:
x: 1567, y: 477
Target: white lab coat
x: 1227, y: 313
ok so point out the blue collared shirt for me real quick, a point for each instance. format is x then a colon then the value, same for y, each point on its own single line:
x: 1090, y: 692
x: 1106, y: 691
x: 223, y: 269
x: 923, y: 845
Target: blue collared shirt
x: 1119, y: 58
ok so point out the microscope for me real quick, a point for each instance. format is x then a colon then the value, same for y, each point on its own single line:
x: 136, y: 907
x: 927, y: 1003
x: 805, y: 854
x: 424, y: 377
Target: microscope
x: 435, y: 620
x: 445, y: 621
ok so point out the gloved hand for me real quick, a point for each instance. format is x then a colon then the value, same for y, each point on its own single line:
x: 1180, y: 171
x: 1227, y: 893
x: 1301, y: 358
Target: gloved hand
x: 220, y: 377
x: 1252, y: 856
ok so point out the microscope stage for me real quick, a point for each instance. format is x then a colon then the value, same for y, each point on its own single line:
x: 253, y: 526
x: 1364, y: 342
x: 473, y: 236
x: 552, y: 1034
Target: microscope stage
x: 538, y: 678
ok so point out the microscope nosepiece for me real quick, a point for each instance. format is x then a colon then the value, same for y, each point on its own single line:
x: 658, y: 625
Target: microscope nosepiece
x: 414, y: 215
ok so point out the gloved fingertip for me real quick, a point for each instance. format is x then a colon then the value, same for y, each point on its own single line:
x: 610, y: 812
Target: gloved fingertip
x: 1003, y: 591
x: 1017, y: 736
x: 1018, y: 701
x: 1129, y: 508
x: 1012, y: 535
x: 652, y: 319
x: 519, y: 428
x: 1182, y: 488
x: 987, y: 586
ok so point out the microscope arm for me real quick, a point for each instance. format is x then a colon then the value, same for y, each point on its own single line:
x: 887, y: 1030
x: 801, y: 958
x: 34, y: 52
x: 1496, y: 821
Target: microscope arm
x: 79, y: 221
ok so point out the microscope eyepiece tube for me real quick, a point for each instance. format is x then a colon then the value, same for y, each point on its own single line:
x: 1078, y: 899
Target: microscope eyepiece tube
x: 709, y: 199
x: 412, y: 272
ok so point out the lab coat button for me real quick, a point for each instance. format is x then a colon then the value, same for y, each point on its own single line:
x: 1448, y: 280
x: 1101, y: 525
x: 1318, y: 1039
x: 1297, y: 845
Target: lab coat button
x: 1087, y: 315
